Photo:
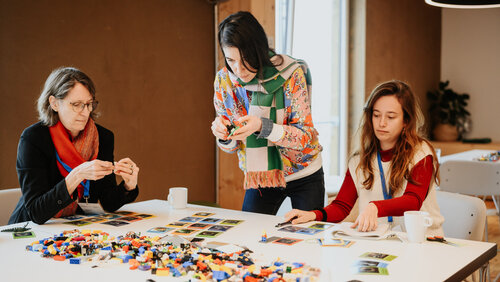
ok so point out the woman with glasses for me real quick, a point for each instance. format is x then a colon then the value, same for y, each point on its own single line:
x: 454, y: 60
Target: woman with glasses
x: 65, y: 161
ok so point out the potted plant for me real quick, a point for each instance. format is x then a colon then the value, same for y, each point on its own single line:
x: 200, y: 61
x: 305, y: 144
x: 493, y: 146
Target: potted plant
x: 450, y: 119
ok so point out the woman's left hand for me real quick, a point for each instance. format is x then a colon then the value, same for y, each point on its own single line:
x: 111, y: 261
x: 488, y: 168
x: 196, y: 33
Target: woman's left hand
x: 129, y: 171
x: 250, y: 124
x: 367, y: 220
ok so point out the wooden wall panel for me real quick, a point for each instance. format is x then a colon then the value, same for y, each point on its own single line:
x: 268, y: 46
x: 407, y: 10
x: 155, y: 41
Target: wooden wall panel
x: 153, y: 66
x: 403, y: 41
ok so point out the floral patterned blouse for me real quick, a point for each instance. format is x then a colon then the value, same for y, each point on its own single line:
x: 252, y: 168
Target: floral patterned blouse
x: 298, y: 141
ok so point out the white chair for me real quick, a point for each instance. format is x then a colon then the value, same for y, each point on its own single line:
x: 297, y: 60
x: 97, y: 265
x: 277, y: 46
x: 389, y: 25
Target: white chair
x: 8, y: 201
x: 464, y: 218
x: 472, y: 178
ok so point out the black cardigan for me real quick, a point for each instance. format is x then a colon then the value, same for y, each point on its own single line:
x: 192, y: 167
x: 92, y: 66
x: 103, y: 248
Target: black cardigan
x: 44, y: 188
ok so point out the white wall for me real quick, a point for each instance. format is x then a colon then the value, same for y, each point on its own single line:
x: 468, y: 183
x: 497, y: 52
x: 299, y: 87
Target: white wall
x: 470, y: 59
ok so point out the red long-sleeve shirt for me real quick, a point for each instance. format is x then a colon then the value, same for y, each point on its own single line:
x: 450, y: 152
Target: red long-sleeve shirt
x: 412, y: 198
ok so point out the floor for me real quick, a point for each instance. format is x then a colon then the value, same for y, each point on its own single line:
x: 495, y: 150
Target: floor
x: 494, y: 236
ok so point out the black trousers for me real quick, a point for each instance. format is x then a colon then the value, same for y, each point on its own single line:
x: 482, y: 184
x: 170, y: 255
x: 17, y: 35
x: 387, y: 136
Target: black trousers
x: 307, y: 193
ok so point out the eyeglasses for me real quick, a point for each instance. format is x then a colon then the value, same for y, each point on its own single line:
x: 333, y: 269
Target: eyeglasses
x: 79, y: 106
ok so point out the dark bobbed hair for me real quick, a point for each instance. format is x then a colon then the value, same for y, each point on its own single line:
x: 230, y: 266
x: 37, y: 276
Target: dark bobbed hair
x: 243, y: 31
x: 58, y: 84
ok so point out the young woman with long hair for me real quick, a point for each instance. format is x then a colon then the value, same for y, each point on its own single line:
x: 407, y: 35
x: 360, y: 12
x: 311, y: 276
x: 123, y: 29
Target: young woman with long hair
x: 394, y: 171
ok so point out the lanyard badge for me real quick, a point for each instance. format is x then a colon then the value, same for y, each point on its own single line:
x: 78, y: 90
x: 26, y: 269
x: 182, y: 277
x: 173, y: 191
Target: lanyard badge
x: 85, y: 183
x: 386, y: 193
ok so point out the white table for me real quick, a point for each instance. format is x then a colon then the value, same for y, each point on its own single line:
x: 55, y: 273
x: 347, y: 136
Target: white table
x: 429, y: 261
x: 470, y: 155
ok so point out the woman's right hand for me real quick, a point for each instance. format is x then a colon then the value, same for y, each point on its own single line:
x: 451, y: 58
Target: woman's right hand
x: 95, y: 170
x: 219, y: 128
x: 92, y: 170
x: 301, y: 216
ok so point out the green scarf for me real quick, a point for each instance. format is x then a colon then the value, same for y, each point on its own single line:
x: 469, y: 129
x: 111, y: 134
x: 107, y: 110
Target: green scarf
x: 264, y: 167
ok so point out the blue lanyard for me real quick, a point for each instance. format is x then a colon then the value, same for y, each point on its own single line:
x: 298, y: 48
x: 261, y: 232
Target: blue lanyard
x: 85, y: 183
x: 387, y: 195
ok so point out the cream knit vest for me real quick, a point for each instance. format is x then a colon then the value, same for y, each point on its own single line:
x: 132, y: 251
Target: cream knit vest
x: 365, y: 196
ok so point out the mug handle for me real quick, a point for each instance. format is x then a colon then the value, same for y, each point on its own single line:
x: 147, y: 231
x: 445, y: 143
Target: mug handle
x: 428, y: 221
x: 169, y: 199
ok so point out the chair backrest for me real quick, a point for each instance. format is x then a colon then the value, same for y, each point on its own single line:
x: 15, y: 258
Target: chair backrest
x: 470, y: 177
x: 8, y: 201
x: 464, y: 216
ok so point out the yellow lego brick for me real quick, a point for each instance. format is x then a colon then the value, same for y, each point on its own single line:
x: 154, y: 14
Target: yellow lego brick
x: 162, y: 272
x: 214, y: 267
x: 226, y: 269
x: 251, y: 268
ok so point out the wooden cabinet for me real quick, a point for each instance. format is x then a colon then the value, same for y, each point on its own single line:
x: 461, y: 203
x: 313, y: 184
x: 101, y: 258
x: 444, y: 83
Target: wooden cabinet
x: 448, y: 148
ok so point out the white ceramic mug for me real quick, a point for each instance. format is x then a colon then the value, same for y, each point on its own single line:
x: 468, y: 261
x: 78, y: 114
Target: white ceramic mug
x: 416, y: 223
x: 177, y: 197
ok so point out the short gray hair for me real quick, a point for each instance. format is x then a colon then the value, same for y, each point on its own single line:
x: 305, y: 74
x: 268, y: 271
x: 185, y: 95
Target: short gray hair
x: 58, y: 84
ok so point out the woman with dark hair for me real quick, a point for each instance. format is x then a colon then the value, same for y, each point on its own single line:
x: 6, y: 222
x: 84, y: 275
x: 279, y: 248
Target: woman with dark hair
x: 66, y: 158
x: 395, y: 170
x: 263, y: 105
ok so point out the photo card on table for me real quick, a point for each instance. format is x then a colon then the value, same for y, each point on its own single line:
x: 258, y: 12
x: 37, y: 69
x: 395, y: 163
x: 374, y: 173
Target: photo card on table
x: 380, y: 256
x: 74, y: 217
x: 210, y: 220
x: 291, y: 228
x: 183, y: 231
x: 208, y: 234
x: 309, y: 231
x: 321, y: 226
x: 160, y: 229
x: 129, y: 218
x: 95, y: 219
x: 109, y: 215
x: 287, y: 241
x: 370, y: 270
x: 231, y: 222
x: 177, y: 224
x: 78, y: 222
x: 190, y: 219
x: 222, y: 228
x: 144, y: 215
x: 199, y: 225
x: 23, y: 234
x: 203, y: 214
x: 115, y: 223
x: 124, y: 213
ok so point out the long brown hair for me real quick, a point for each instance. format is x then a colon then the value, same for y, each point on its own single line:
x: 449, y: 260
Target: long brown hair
x: 410, y: 138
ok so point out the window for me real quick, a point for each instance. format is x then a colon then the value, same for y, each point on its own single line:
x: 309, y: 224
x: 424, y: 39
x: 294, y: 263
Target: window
x: 316, y: 31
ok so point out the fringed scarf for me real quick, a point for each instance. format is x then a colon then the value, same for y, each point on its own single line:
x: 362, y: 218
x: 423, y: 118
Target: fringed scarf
x: 264, y: 167
x: 72, y: 153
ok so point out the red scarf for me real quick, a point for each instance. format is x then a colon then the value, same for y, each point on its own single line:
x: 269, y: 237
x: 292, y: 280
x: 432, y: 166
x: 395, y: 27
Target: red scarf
x: 82, y: 148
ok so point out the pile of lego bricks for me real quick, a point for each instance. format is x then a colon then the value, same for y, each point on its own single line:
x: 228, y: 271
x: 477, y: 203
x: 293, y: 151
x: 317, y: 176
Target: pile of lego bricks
x: 175, y: 258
